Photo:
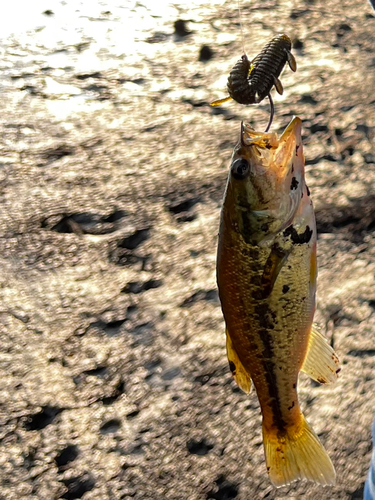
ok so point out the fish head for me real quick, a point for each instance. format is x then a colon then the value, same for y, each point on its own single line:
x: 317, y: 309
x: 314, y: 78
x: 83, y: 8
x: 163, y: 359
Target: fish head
x: 266, y: 182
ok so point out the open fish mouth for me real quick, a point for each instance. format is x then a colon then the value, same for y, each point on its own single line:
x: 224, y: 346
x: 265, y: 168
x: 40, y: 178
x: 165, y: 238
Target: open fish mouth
x: 268, y: 150
x: 269, y: 139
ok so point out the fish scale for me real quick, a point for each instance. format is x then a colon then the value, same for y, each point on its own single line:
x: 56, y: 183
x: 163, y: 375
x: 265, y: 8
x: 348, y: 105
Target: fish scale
x: 250, y: 312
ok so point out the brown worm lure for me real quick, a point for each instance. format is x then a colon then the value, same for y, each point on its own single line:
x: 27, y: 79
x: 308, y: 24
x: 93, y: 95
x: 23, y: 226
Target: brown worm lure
x: 250, y: 82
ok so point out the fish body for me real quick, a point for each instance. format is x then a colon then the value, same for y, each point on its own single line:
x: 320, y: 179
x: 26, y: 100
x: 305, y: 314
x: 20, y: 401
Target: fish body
x: 266, y: 274
x: 249, y: 82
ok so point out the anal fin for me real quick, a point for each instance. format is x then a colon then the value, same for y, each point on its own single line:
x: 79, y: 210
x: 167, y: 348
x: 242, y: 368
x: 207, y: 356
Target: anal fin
x: 321, y: 362
x: 239, y: 373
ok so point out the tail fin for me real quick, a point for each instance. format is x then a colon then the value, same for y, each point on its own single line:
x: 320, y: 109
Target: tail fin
x: 297, y: 455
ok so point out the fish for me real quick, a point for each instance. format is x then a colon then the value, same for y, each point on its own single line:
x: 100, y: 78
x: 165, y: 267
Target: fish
x: 267, y: 277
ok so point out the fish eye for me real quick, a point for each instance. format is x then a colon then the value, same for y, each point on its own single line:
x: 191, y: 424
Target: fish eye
x: 240, y: 169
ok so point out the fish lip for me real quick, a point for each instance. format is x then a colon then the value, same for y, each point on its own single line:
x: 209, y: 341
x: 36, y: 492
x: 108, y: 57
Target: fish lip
x: 294, y: 128
x: 270, y: 140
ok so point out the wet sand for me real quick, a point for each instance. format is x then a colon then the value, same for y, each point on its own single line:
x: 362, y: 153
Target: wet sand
x: 115, y: 383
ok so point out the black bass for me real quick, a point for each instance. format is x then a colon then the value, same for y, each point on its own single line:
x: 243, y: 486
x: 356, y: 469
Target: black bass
x: 266, y: 274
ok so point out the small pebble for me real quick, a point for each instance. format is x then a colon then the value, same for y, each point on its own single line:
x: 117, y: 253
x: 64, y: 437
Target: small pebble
x: 180, y: 28
x: 297, y: 44
x: 206, y: 53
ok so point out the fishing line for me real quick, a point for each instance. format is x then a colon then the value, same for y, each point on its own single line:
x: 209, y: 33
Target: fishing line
x: 249, y: 82
x: 244, y: 52
x: 241, y: 26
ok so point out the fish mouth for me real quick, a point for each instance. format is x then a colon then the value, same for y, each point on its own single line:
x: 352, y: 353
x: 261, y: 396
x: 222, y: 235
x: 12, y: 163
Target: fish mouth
x: 292, y: 131
x: 249, y: 137
x: 267, y: 151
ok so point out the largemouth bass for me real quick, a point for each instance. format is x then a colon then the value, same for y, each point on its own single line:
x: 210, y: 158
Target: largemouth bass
x: 266, y: 274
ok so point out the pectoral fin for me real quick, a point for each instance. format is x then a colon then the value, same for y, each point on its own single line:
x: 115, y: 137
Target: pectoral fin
x: 220, y: 101
x: 239, y: 373
x: 321, y: 362
x: 278, y: 85
x: 272, y: 268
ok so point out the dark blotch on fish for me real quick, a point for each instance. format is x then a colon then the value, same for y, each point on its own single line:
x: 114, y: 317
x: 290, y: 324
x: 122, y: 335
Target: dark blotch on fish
x: 296, y: 238
x: 285, y: 288
x: 308, y: 190
x: 269, y: 368
x: 294, y: 184
x: 297, y: 148
x: 291, y: 406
